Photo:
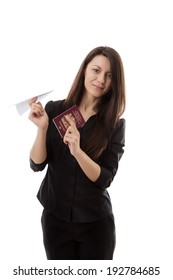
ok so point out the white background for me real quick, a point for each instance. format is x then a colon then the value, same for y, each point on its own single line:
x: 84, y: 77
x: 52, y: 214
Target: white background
x: 42, y: 46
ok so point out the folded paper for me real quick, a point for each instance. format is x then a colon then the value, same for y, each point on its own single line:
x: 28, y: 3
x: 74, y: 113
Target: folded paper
x: 23, y: 106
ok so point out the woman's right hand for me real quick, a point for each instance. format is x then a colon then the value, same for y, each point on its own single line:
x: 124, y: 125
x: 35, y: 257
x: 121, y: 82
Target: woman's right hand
x: 38, y: 114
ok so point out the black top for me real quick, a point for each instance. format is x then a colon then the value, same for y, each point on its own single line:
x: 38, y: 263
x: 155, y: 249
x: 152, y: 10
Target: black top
x: 65, y: 190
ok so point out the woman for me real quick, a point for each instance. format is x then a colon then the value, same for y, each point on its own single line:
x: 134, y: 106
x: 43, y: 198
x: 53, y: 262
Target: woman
x: 77, y: 219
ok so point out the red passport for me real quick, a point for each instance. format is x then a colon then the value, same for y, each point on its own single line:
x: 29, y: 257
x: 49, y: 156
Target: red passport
x: 62, y: 124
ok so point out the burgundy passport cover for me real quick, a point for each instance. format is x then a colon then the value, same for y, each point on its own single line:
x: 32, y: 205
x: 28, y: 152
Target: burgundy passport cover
x: 61, y: 123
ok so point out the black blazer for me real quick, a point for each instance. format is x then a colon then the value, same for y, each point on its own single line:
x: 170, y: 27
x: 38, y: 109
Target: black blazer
x: 65, y: 190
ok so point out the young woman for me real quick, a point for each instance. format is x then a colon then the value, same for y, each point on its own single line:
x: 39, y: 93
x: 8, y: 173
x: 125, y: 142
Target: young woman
x: 77, y: 219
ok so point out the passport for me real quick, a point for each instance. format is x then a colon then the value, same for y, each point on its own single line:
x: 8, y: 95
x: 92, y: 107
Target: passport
x: 62, y: 124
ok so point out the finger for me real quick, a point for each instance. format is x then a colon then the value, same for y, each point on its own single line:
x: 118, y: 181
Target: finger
x: 66, y: 139
x: 71, y: 120
x: 32, y: 100
x: 37, y: 105
x: 72, y: 130
x: 69, y: 130
x: 36, y: 111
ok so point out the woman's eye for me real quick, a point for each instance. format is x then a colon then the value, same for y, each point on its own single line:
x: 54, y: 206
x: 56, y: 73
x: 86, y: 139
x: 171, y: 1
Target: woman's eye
x: 109, y: 75
x: 95, y: 70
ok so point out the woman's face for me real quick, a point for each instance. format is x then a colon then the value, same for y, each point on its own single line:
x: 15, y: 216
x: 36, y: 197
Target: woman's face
x: 98, y: 76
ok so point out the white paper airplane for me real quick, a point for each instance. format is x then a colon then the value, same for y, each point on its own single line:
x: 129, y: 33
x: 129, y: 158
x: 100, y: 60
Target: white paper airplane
x: 23, y: 106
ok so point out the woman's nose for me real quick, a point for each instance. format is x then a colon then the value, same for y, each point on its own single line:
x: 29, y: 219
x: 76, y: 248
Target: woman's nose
x: 101, y: 78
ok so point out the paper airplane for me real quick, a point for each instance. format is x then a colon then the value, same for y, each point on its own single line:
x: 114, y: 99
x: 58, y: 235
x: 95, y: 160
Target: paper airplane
x: 23, y: 106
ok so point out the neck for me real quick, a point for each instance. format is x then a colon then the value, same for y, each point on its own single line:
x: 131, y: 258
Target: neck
x: 88, y: 104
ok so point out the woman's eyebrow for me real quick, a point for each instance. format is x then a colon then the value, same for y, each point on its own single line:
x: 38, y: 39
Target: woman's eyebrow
x: 101, y: 68
x: 97, y: 66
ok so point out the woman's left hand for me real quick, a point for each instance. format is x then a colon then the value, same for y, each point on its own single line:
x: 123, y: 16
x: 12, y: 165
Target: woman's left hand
x: 72, y: 137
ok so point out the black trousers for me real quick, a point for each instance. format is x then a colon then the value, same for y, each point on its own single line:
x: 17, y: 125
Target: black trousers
x: 78, y: 241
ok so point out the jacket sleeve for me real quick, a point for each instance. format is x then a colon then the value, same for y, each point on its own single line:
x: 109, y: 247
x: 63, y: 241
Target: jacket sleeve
x: 110, y: 159
x: 39, y: 167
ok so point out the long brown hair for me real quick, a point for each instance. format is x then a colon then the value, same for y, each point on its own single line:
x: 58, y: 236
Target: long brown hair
x: 111, y: 105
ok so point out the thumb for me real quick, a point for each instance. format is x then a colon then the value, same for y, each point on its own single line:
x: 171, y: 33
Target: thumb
x: 32, y: 100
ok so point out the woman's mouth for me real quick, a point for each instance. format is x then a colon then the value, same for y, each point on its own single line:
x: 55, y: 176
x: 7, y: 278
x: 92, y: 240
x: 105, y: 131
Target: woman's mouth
x: 97, y: 87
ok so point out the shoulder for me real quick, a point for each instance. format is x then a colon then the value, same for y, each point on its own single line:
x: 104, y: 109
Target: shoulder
x: 118, y: 132
x: 53, y: 108
x: 121, y: 124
